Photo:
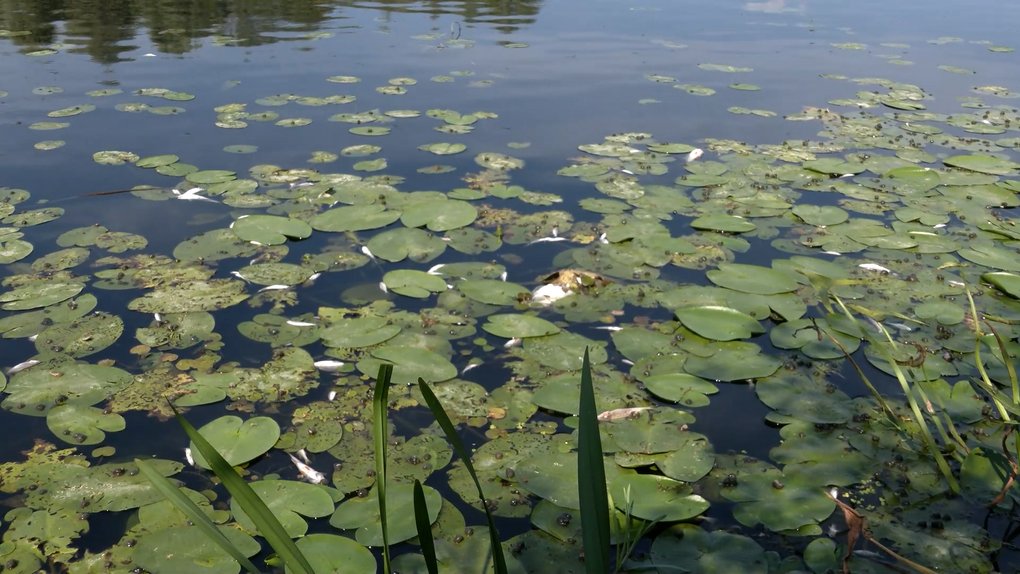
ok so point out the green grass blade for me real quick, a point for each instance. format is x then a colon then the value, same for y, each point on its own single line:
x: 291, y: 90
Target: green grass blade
x: 499, y: 562
x: 379, y: 435
x: 591, y: 480
x: 424, y: 528
x: 266, y: 522
x: 194, y: 514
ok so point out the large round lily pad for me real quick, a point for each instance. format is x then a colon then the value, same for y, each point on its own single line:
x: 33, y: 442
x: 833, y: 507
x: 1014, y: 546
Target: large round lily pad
x: 519, y: 326
x: 355, y: 332
x: 409, y: 363
x: 719, y: 323
x: 195, y: 296
x: 82, y: 337
x: 413, y: 283
x: 270, y: 229
x: 716, y: 552
x: 363, y: 514
x: 238, y: 441
x: 753, y: 279
x: 35, y: 391
x: 188, y: 550
x: 332, y: 553
x: 439, y: 215
x: 39, y: 295
x: 354, y: 218
x: 83, y: 424
x: 289, y: 500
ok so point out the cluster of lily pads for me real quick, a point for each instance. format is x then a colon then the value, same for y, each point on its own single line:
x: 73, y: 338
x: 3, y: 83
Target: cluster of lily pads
x: 887, y: 223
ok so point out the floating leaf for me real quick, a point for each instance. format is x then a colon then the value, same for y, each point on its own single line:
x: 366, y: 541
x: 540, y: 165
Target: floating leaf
x: 238, y: 441
x: 519, y: 326
x: 719, y: 323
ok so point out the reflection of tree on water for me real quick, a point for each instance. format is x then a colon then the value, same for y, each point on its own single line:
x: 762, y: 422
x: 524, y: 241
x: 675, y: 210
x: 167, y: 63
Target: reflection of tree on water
x: 505, y: 15
x: 104, y: 29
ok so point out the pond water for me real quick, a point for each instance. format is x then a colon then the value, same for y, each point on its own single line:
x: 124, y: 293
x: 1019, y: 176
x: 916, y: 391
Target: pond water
x: 246, y: 207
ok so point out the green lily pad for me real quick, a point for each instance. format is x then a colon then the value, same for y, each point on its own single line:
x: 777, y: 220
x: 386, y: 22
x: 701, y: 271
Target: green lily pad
x: 414, y: 244
x: 687, y: 390
x: 81, y: 337
x: 983, y: 164
x: 354, y: 218
x: 40, y: 295
x: 690, y: 461
x: 656, y: 498
x: 719, y: 323
x: 12, y: 250
x: 363, y: 514
x: 722, y: 222
x: 439, y: 215
x: 493, y: 291
x: 332, y: 553
x: 710, y: 552
x: 114, y: 157
x: 35, y: 392
x: 805, y: 399
x: 288, y: 500
x: 823, y: 216
x: 83, y: 424
x: 270, y: 229
x: 195, y: 296
x: 274, y: 274
x: 188, y: 549
x: 733, y: 365
x: 1008, y: 283
x: 519, y: 326
x: 212, y: 246
x: 753, y: 279
x: 409, y: 363
x: 33, y: 217
x: 413, y: 283
x: 238, y: 441
x: 443, y: 148
x: 356, y: 332
x: 157, y: 160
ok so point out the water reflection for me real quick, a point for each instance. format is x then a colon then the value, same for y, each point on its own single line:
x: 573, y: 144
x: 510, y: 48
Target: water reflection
x: 108, y: 29
x: 504, y: 15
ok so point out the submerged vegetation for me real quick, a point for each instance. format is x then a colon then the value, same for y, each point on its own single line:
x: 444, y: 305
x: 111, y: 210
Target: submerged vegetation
x: 339, y: 330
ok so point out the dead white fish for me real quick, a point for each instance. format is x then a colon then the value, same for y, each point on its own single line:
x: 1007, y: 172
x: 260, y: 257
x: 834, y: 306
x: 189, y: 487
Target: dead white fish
x: 331, y: 396
x: 328, y: 365
x: 603, y: 239
x: 274, y: 288
x: 618, y: 414
x: 874, y: 267
x: 434, y: 270
x: 694, y: 154
x: 502, y: 276
x: 32, y: 338
x: 833, y: 253
x: 627, y: 171
x: 239, y: 276
x: 303, y: 455
x: 901, y: 327
x: 627, y: 362
x: 548, y: 294
x: 308, y: 473
x: 188, y: 457
x: 192, y: 195
x: 311, y: 278
x: 367, y: 251
x: 382, y: 287
x: 474, y: 364
x: 22, y: 366
x: 610, y: 328
x: 297, y: 184
x: 938, y: 226
x: 512, y: 343
x: 956, y: 283
x: 294, y: 323
x: 546, y: 240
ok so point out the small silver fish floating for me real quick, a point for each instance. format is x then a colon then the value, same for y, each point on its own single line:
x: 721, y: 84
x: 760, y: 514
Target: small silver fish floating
x: 307, y: 473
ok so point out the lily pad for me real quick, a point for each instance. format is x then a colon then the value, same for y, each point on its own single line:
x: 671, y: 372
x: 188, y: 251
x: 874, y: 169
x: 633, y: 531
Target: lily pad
x: 409, y: 363
x: 413, y: 283
x: 288, y: 500
x: 270, y: 229
x: 719, y: 323
x: 519, y: 326
x: 753, y: 279
x: 354, y: 218
x: 195, y: 296
x: 332, y: 553
x: 493, y: 291
x: 83, y: 424
x: 237, y: 440
x: 983, y: 164
x: 363, y: 514
x: 41, y: 295
x: 188, y: 549
x: 35, y: 392
x: 439, y: 215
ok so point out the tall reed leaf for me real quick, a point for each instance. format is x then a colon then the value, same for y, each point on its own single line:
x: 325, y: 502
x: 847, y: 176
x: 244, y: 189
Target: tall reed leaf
x: 194, y: 514
x: 266, y: 522
x: 424, y: 528
x: 379, y: 434
x: 591, y: 479
x: 499, y: 563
